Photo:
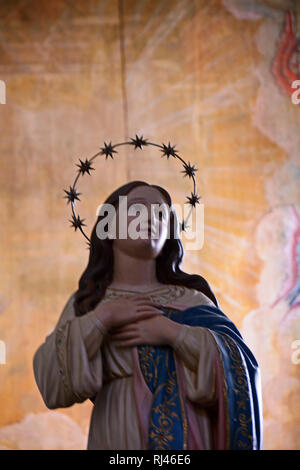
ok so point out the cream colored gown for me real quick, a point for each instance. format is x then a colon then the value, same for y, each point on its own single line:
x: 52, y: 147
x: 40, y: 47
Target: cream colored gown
x: 78, y: 361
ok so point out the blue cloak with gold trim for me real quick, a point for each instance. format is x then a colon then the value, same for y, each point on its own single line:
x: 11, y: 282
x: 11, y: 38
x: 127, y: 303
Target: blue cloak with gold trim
x: 242, y: 387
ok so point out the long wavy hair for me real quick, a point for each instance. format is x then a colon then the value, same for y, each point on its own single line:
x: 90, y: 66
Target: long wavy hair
x: 99, y: 272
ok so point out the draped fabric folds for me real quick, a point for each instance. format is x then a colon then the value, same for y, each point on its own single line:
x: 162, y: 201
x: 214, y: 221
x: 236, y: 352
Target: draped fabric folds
x: 238, y: 386
x: 201, y: 393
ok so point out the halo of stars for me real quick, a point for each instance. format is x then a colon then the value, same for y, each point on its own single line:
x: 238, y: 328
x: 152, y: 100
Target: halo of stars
x: 85, y: 167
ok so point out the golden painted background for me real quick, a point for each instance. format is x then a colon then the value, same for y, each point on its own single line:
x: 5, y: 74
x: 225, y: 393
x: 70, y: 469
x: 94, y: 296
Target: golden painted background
x: 193, y: 72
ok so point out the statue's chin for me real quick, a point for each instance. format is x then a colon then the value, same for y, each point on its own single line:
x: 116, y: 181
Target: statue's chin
x: 144, y: 248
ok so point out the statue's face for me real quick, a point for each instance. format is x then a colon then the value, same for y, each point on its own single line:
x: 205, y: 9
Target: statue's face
x: 147, y: 223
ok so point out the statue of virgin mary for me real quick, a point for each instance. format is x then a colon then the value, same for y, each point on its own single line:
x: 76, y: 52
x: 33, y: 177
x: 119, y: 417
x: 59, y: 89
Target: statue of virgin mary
x: 149, y: 345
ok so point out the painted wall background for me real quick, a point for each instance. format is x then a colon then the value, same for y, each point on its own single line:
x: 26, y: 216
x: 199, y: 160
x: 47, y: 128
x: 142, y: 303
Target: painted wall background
x: 198, y: 74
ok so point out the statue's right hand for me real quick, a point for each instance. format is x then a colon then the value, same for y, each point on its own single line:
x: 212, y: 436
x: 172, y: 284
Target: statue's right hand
x: 118, y: 312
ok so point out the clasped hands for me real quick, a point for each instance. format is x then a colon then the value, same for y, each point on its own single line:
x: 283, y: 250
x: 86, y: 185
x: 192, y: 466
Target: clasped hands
x: 132, y: 321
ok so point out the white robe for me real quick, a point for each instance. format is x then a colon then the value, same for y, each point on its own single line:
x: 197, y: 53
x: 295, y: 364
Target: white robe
x: 78, y: 361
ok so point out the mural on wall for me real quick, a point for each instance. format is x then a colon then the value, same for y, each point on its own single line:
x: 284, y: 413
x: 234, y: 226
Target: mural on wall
x: 79, y: 74
x: 274, y: 327
x: 286, y: 65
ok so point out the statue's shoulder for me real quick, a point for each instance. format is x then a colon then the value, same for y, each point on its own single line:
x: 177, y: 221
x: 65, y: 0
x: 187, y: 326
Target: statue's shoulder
x: 194, y: 297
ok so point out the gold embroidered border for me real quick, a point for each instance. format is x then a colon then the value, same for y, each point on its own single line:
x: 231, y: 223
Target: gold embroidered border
x: 147, y: 356
x: 242, y: 391
x: 162, y: 439
x: 62, y: 346
x: 172, y: 293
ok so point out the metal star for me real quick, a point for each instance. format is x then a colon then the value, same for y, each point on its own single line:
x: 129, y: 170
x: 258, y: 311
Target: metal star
x: 138, y: 142
x: 71, y: 195
x: 85, y: 167
x: 108, y: 150
x: 168, y: 151
x: 189, y: 170
x: 76, y: 222
x: 193, y: 200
